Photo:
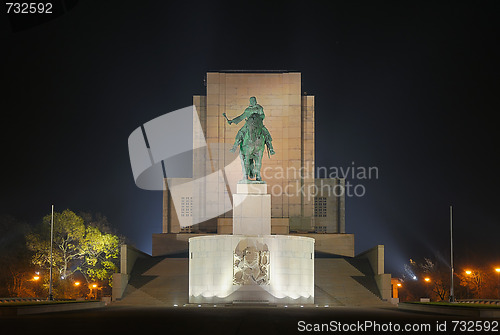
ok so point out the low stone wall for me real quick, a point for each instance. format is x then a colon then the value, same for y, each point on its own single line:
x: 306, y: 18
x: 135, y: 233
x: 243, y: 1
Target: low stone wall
x: 13, y: 310
x: 452, y: 310
x: 480, y: 301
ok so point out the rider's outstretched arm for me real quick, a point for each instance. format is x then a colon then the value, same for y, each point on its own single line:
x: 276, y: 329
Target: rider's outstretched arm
x: 242, y: 117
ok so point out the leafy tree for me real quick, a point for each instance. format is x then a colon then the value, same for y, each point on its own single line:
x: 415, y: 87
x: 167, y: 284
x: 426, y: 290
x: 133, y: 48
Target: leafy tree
x: 101, y: 248
x: 69, y: 231
x: 84, y: 245
x: 16, y: 272
x: 438, y: 286
x: 439, y: 275
x: 480, y: 283
x: 100, y: 254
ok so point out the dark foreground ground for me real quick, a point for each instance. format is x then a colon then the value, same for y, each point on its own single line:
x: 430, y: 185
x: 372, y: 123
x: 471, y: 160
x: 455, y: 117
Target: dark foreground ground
x: 232, y: 320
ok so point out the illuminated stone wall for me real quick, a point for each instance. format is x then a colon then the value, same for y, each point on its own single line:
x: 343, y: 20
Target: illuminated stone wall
x: 283, y: 265
x: 290, y: 120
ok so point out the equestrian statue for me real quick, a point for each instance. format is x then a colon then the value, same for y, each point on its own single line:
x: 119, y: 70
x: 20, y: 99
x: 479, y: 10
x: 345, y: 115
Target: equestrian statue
x: 252, y: 139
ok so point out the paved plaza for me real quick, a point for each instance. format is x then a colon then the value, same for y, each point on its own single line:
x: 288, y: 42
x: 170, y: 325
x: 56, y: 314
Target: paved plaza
x: 220, y: 320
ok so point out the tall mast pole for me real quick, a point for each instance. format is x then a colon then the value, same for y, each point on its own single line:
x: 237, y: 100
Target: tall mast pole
x: 452, y: 296
x: 51, y: 239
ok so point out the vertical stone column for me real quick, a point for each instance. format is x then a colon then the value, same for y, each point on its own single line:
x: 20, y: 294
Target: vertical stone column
x: 251, y: 210
x: 166, y: 207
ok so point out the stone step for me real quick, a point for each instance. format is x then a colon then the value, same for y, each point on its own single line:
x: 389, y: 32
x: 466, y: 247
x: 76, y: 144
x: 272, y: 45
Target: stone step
x: 338, y: 282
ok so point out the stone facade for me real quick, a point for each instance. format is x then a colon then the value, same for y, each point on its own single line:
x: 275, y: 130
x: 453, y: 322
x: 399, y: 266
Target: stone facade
x: 288, y: 173
x: 287, y: 263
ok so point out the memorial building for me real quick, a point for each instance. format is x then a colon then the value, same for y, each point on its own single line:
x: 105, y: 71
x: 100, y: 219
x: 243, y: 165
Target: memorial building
x: 201, y: 202
x: 299, y: 202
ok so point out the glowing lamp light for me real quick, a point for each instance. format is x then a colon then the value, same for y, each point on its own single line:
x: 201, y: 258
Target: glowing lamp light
x: 427, y: 279
x: 36, y: 277
x: 77, y: 283
x: 94, y: 285
x: 468, y: 272
x: 398, y: 285
x: 497, y: 270
x: 414, y: 277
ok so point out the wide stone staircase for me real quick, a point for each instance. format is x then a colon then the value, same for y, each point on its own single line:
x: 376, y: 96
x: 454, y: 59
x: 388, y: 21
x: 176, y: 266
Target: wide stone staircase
x: 339, y: 281
x: 345, y: 282
x: 157, y: 281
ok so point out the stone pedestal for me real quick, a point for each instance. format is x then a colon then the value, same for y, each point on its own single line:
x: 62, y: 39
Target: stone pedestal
x: 251, y: 265
x: 235, y: 268
x: 252, y: 210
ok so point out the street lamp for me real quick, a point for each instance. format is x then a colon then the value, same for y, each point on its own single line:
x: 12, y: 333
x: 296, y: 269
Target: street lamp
x: 497, y: 270
x: 94, y: 287
x: 427, y: 280
x: 468, y: 273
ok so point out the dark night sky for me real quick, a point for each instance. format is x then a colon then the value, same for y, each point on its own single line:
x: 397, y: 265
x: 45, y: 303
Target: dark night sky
x: 408, y: 87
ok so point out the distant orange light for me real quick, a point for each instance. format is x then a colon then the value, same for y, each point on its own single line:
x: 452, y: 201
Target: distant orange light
x: 497, y: 269
x: 36, y: 277
x: 427, y: 279
x: 77, y: 283
x: 468, y: 272
x: 399, y: 285
x: 94, y: 285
